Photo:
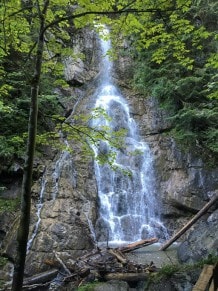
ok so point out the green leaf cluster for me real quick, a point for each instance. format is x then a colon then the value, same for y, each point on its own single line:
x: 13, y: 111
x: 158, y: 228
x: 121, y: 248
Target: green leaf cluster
x: 14, y: 123
x: 173, y: 53
x: 11, y: 147
x: 9, y: 205
x: 81, y: 130
x: 188, y: 93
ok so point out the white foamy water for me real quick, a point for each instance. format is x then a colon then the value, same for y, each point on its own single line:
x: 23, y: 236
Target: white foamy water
x: 128, y: 209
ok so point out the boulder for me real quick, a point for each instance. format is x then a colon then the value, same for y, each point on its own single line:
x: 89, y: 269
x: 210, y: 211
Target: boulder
x: 202, y: 241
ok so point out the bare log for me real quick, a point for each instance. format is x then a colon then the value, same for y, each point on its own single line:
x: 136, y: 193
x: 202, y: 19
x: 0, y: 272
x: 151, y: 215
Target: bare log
x: 119, y: 256
x: 99, y: 263
x: 190, y: 223
x: 204, y: 279
x: 34, y: 286
x: 62, y: 264
x: 126, y: 276
x: 214, y: 283
x: 41, y: 278
x: 138, y: 244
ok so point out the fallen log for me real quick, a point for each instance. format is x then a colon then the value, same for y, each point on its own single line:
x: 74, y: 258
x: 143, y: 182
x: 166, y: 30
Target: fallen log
x: 118, y: 254
x: 215, y: 277
x: 36, y: 286
x: 41, y: 278
x: 139, y: 244
x: 62, y: 264
x: 190, y: 223
x: 204, y: 279
x: 126, y: 276
x: 99, y: 263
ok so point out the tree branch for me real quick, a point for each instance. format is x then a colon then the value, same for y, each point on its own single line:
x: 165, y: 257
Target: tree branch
x: 113, y: 12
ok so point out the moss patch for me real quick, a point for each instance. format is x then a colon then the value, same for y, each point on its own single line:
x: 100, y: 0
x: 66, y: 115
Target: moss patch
x: 89, y: 286
x: 3, y: 261
x: 9, y: 204
x: 169, y: 270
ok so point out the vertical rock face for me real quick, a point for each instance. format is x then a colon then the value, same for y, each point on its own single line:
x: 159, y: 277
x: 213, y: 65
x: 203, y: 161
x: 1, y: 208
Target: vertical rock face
x: 68, y: 202
x: 183, y: 181
x: 69, y: 199
x: 65, y: 197
x: 82, y: 66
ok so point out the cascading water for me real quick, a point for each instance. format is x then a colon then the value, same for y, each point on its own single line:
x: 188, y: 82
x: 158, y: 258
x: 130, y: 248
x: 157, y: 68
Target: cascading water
x: 128, y: 208
x: 39, y: 206
x: 64, y: 156
x: 64, y: 159
x: 56, y: 174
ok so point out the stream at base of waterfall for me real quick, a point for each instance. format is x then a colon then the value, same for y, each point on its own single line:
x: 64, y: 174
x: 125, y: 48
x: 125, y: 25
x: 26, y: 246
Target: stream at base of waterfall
x: 128, y: 206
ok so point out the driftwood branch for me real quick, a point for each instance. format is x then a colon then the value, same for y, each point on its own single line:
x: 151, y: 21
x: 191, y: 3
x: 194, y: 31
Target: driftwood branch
x: 137, y: 245
x: 62, y: 264
x: 118, y: 254
x: 41, y: 278
x: 190, y: 223
x: 104, y: 264
x: 36, y: 286
x: 204, y: 279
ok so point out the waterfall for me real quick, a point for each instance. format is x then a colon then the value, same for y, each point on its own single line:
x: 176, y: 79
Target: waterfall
x: 39, y: 206
x: 57, y: 172
x: 64, y: 159
x: 128, y: 210
x: 65, y: 156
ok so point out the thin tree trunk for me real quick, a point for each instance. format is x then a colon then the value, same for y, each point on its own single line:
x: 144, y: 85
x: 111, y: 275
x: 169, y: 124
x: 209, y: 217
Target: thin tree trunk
x: 190, y: 223
x: 23, y: 230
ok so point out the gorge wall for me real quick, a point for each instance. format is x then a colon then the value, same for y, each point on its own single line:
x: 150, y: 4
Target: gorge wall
x: 69, y: 202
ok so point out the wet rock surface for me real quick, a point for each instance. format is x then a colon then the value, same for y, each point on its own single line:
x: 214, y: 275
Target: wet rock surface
x: 202, y: 242
x: 183, y: 182
x: 112, y: 286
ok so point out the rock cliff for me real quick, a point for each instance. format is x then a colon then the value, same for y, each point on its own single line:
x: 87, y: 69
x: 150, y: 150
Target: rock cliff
x: 69, y: 202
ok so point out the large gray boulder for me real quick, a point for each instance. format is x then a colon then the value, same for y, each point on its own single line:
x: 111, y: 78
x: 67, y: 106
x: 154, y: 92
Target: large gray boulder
x: 202, y: 241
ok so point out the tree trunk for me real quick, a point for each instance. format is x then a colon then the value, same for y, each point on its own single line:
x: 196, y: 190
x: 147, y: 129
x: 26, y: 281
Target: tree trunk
x: 23, y: 230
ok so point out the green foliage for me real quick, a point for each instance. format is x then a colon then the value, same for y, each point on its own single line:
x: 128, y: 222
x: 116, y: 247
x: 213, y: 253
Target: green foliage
x: 10, y: 146
x: 3, y: 262
x: 1, y: 283
x: 14, y: 123
x: 89, y: 286
x: 212, y: 259
x: 9, y: 205
x: 169, y: 270
x: 86, y: 135
x: 188, y: 92
x: 164, y: 32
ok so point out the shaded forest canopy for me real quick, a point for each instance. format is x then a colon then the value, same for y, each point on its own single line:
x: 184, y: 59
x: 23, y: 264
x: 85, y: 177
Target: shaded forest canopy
x: 190, y: 95
x: 174, y: 53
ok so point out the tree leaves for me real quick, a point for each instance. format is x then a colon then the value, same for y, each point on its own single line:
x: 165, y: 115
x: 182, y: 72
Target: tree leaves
x: 165, y: 29
x: 186, y: 81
